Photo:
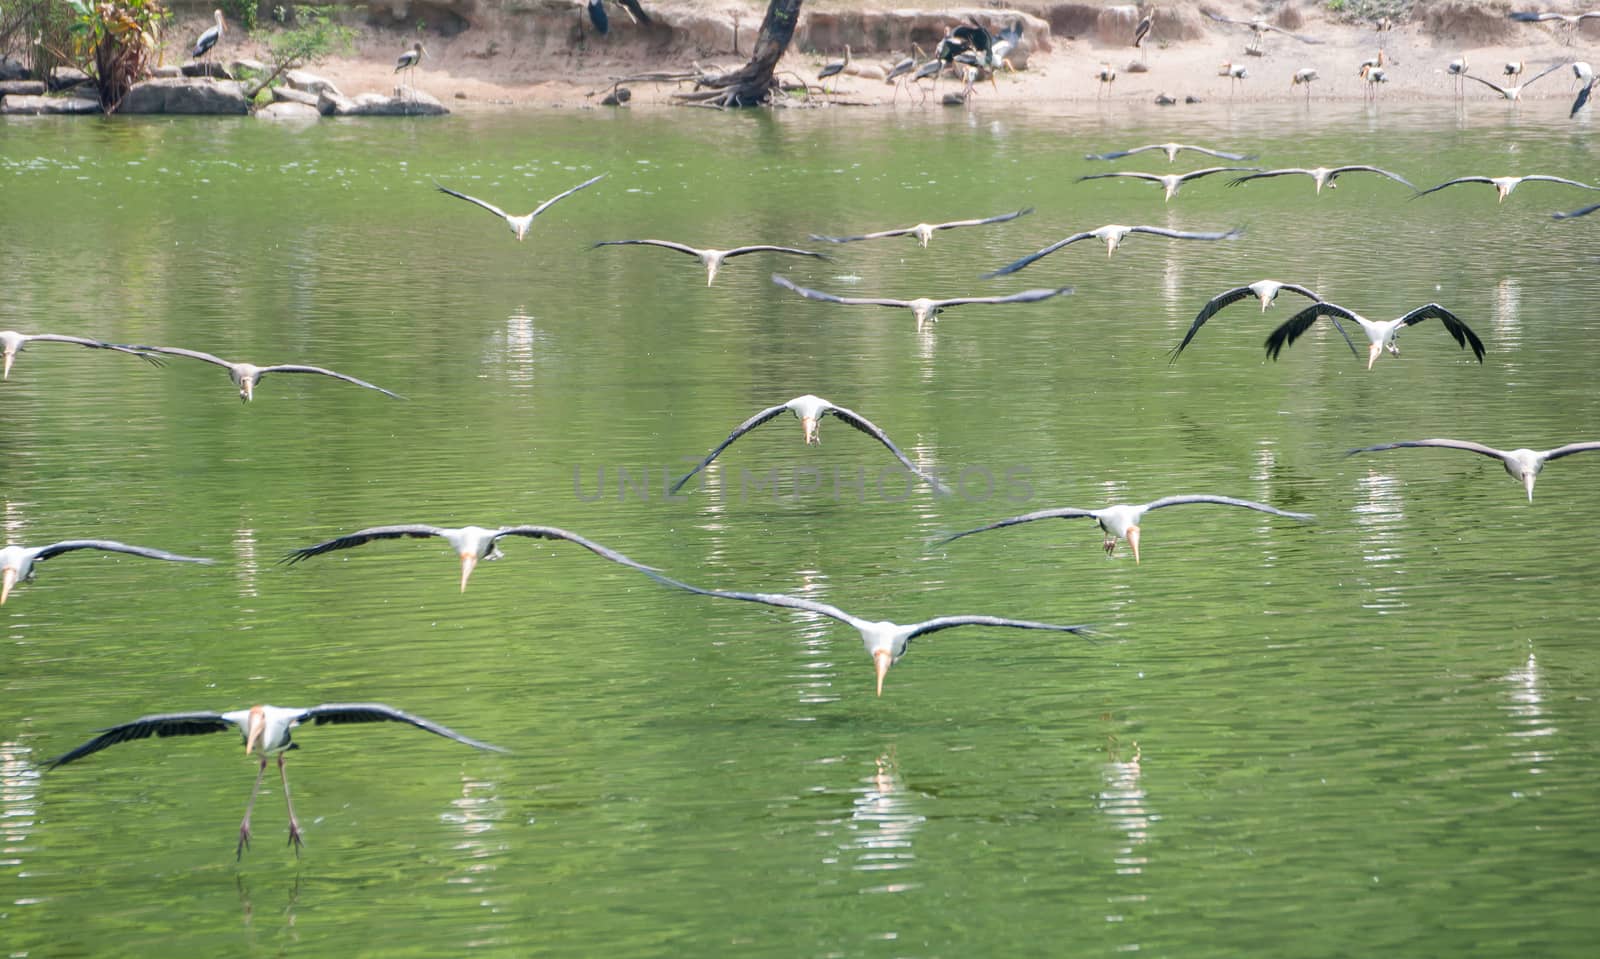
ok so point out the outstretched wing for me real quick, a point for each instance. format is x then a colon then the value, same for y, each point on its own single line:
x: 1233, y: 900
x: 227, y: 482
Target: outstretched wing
x: 738, y: 431
x: 378, y: 712
x: 871, y: 429
x: 1334, y: 173
x: 111, y: 546
x: 769, y: 599
x: 1119, y: 154
x: 562, y: 196
x: 665, y: 244
x: 946, y: 622
x: 1290, y: 329
x: 92, y: 344
x: 1014, y: 267
x: 1459, y: 179
x: 176, y: 351
x: 1491, y: 85
x: 985, y: 221
x: 1552, y: 68
x: 811, y: 294
x: 1569, y: 449
x: 551, y: 532
x: 1232, y: 234
x: 1574, y: 213
x: 1583, y: 97
x: 1152, y: 177
x: 362, y: 537
x: 1442, y: 443
x: 472, y: 199
x: 863, y: 236
x: 1558, y: 179
x: 296, y: 368
x: 764, y: 248
x: 1068, y: 512
x: 1026, y: 296
x: 1225, y: 501
x: 1221, y: 155
x: 163, y: 724
x: 1216, y: 304
x: 1462, y: 332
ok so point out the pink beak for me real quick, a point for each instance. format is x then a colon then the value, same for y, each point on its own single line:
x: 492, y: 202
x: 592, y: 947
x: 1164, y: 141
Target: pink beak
x: 1133, y: 541
x: 882, y: 660
x: 468, y: 563
x: 809, y: 423
x: 8, y: 576
x: 1372, y: 354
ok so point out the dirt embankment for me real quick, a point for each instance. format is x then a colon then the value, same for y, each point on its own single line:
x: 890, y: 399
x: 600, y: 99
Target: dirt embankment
x: 545, y: 52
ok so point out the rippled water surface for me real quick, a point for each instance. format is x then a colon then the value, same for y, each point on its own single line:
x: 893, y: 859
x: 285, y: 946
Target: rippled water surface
x: 1369, y: 735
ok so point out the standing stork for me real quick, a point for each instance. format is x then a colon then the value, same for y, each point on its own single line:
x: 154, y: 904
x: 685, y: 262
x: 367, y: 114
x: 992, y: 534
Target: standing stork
x: 1107, y: 76
x: 1235, y: 72
x: 209, y: 39
x: 1303, y: 78
x: 832, y: 69
x: 408, y: 62
x: 1142, y: 31
x: 1457, y: 69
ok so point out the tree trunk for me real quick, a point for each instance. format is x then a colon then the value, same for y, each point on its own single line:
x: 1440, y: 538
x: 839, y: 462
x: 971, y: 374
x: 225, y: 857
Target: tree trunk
x: 752, y: 84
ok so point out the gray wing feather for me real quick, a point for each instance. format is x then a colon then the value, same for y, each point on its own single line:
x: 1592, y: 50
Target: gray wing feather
x: 551, y: 532
x: 297, y: 368
x: 1068, y: 512
x: 1225, y: 501
x: 562, y: 196
x: 163, y: 724
x: 112, y: 546
x: 378, y: 712
x: 361, y: 537
x: 871, y: 429
x: 738, y: 431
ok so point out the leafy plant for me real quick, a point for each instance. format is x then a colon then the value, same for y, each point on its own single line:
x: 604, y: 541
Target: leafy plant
x: 114, y: 41
x: 315, y: 34
x: 40, y: 30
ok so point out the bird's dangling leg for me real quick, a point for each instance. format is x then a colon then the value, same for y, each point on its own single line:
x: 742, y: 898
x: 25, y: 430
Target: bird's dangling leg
x: 244, y: 826
x: 1110, y: 545
x: 294, y: 824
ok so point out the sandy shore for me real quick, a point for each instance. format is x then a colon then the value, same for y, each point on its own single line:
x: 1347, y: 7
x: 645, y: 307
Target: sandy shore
x: 465, y: 73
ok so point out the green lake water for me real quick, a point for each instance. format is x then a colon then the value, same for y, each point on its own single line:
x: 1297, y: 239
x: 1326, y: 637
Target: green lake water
x: 1361, y: 736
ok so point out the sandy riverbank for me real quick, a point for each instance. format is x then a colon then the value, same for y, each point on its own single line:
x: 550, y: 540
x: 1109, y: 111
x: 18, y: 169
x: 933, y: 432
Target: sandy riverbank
x: 557, y: 64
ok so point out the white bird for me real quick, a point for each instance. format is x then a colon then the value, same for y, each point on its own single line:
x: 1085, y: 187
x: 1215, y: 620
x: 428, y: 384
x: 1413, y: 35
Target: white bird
x: 246, y: 375
x: 1112, y: 234
x: 1523, y: 464
x: 924, y: 231
x: 1107, y: 76
x: 471, y: 543
x: 1170, y: 182
x: 1142, y: 30
x: 519, y: 224
x: 925, y: 309
x: 1304, y: 78
x: 17, y: 562
x: 1322, y: 176
x: 1264, y: 290
x: 263, y: 728
x: 209, y: 39
x: 1582, y: 71
x: 1457, y: 69
x: 1121, y: 521
x: 1514, y: 93
x: 1503, y: 185
x: 1259, y: 26
x: 409, y: 61
x: 1380, y: 335
x: 1374, y: 76
x: 885, y: 641
x: 712, y: 259
x: 809, y: 410
x: 12, y: 343
x: 1235, y: 72
x: 1171, y: 150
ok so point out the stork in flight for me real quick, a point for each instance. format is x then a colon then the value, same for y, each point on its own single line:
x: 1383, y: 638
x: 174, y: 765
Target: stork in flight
x: 12, y: 343
x: 1380, y: 335
x: 1171, y: 150
x: 1122, y: 521
x: 1264, y: 290
x: 925, y: 309
x: 712, y: 259
x: 810, y: 410
x: 471, y: 543
x: 1514, y: 93
x: 519, y: 224
x: 1523, y: 464
x: 1503, y: 185
x: 17, y: 562
x: 1169, y: 182
x: 924, y: 231
x: 265, y: 729
x: 246, y: 375
x: 1259, y: 26
x: 1112, y: 235
x: 1322, y: 176
x: 886, y: 642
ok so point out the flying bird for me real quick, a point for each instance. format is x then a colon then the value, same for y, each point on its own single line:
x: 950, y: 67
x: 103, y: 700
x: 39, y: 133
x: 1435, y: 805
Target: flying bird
x: 924, y: 231
x: 1171, y: 150
x: 246, y: 375
x: 809, y: 410
x: 1264, y: 290
x: 1523, y: 464
x: 1259, y: 26
x: 712, y: 259
x: 12, y: 343
x: 1381, y: 336
x: 265, y: 729
x: 209, y: 39
x: 886, y: 642
x: 471, y: 543
x: 1322, y: 176
x: 1169, y: 182
x: 1568, y: 22
x: 1112, y: 235
x: 17, y: 562
x: 925, y: 309
x: 519, y: 224
x: 1122, y: 520
x: 1503, y: 185
x: 1514, y: 93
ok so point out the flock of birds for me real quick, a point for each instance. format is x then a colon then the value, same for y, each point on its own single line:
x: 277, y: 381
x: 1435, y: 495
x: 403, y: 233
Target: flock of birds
x: 267, y: 729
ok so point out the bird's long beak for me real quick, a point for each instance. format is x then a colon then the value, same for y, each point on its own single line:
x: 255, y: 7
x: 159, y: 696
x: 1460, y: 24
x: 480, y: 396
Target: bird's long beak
x: 882, y: 660
x: 1111, y: 247
x: 7, y: 374
x: 809, y: 423
x: 1527, y: 481
x: 1373, y: 352
x: 711, y: 273
x: 258, y: 728
x: 469, y: 562
x: 8, y: 576
x: 1133, y: 542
